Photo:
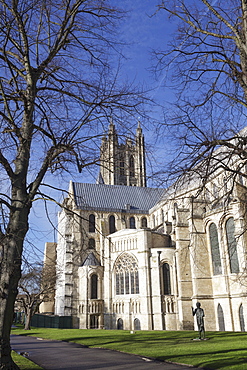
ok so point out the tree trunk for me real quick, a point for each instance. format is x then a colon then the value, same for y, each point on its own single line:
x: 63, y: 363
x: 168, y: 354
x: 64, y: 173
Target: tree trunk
x: 10, y: 271
x: 28, y: 319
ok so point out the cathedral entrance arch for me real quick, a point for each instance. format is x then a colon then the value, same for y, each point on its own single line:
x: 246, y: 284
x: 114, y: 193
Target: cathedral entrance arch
x: 94, y: 321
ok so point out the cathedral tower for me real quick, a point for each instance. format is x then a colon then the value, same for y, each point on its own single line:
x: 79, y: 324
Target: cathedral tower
x: 124, y: 163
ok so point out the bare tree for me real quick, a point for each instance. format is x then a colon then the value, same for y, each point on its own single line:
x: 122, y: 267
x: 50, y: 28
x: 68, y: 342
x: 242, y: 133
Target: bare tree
x: 36, y: 284
x: 207, y: 66
x: 57, y: 91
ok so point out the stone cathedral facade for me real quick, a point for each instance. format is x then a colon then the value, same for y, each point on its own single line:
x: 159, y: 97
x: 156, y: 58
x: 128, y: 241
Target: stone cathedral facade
x: 138, y: 258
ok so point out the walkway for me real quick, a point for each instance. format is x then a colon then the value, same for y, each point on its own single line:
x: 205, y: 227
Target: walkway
x: 54, y: 355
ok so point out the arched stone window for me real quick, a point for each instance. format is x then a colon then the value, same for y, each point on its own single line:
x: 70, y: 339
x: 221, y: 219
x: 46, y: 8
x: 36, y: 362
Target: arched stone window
x: 232, y: 245
x: 137, y: 324
x: 221, y: 319
x: 120, y: 324
x: 94, y: 286
x: 131, y: 166
x: 215, y: 250
x: 91, y: 243
x: 241, y: 318
x: 144, y: 222
x: 121, y: 165
x: 91, y: 223
x: 112, y: 227
x: 126, y: 275
x: 132, y: 222
x: 166, y: 279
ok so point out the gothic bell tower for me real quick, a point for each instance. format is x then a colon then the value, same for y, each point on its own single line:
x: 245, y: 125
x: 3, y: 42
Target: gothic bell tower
x: 122, y: 163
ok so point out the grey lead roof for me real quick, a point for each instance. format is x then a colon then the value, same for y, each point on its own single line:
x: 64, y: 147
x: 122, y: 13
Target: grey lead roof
x: 91, y: 260
x: 115, y: 198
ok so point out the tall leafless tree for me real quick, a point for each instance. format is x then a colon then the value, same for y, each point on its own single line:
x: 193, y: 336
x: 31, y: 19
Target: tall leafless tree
x: 58, y: 87
x: 207, y: 66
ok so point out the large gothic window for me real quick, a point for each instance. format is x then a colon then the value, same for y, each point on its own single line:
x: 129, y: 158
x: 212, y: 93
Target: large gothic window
x: 215, y: 250
x: 131, y: 166
x: 166, y: 279
x: 112, y: 227
x: 91, y: 223
x: 94, y: 287
x: 232, y: 245
x: 132, y: 223
x: 126, y: 275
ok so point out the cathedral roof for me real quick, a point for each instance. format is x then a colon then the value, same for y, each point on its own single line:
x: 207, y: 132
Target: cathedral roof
x: 115, y: 198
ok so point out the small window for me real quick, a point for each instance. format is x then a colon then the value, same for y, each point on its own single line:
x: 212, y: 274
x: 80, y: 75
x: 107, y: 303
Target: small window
x: 112, y: 227
x: 91, y: 243
x: 144, y: 222
x: 91, y: 223
x: 132, y: 223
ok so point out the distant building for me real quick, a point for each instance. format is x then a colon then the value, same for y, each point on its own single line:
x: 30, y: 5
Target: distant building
x: 137, y: 258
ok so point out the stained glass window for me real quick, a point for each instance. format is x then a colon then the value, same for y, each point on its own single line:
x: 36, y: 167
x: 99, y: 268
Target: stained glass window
x: 127, y: 277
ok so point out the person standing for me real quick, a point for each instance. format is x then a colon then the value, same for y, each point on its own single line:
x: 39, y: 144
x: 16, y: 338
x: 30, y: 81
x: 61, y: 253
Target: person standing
x: 199, y: 313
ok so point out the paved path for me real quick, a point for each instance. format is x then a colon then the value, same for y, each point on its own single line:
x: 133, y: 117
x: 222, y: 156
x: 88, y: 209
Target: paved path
x: 54, y: 355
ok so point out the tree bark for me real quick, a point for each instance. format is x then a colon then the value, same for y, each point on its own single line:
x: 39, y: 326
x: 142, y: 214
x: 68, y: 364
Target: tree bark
x: 11, y: 251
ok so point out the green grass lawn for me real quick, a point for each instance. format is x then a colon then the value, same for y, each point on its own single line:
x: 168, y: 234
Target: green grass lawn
x: 24, y: 363
x: 222, y: 350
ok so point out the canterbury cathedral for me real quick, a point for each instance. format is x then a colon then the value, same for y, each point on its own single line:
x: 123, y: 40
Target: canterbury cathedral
x: 137, y: 258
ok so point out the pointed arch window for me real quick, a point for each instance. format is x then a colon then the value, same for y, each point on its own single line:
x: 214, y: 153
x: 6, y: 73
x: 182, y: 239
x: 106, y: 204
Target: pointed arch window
x: 91, y: 223
x: 121, y: 165
x: 126, y: 275
x: 94, y: 287
x: 232, y: 245
x: 166, y: 279
x: 241, y: 318
x: 112, y: 227
x: 131, y: 166
x: 132, y: 222
x: 215, y: 250
x: 221, y: 319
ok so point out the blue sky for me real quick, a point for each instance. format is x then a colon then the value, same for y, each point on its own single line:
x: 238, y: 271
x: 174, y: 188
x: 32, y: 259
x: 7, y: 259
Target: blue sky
x: 141, y: 31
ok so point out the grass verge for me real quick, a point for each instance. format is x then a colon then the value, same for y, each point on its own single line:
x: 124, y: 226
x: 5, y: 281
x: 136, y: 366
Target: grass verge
x: 222, y: 350
x: 24, y: 363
